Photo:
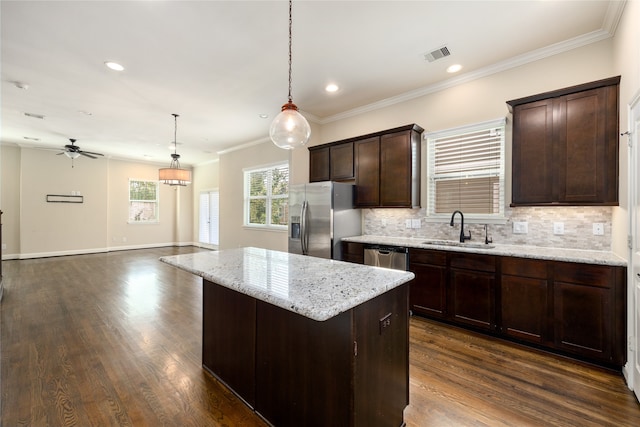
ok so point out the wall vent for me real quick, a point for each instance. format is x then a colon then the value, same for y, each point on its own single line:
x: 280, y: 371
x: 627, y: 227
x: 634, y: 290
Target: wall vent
x: 437, y: 54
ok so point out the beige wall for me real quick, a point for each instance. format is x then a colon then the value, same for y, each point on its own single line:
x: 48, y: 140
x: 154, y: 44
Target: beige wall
x: 36, y: 228
x: 10, y: 199
x: 232, y: 232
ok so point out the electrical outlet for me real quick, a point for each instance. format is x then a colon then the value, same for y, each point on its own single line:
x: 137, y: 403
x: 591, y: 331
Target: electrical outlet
x: 598, y: 228
x: 383, y: 222
x: 558, y: 228
x: 520, y: 227
x: 4, y: 246
x: 407, y: 223
x: 415, y: 223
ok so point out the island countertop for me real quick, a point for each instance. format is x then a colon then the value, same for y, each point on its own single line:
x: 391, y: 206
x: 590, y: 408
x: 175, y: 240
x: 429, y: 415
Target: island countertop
x: 313, y: 287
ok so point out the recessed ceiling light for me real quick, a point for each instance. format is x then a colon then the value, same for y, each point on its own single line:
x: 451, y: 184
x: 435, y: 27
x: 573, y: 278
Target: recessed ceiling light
x: 21, y: 85
x: 263, y: 116
x: 114, y: 66
x: 331, y: 87
x: 454, y: 68
x: 86, y: 113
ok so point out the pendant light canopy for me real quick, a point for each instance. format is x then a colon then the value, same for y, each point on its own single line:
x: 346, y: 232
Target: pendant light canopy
x: 174, y: 175
x: 290, y: 129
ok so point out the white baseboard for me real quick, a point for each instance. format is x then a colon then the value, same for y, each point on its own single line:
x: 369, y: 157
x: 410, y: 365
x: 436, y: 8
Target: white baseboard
x: 94, y: 250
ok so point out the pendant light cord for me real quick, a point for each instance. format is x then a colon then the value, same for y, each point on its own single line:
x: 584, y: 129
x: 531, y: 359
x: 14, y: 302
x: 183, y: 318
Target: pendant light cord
x: 175, y: 134
x: 290, y: 24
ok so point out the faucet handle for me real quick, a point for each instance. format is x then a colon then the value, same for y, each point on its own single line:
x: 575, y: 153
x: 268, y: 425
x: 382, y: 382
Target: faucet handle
x: 463, y: 237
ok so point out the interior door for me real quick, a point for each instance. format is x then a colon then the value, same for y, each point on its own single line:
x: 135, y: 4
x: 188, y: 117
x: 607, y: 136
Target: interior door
x: 634, y: 279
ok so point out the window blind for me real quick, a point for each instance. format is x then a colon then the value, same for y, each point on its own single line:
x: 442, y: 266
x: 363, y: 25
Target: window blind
x: 466, y: 169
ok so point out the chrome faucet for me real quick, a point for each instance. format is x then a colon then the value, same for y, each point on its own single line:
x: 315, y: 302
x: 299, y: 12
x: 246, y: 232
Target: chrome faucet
x: 462, y: 236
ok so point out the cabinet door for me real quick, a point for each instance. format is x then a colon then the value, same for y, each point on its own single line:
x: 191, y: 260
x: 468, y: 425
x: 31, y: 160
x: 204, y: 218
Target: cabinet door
x: 319, y: 164
x: 524, y: 308
x: 353, y: 252
x: 472, y: 298
x: 533, y: 168
x: 341, y: 161
x: 587, y: 170
x: 583, y: 320
x: 428, y: 290
x: 367, y: 154
x: 395, y: 169
x: 428, y: 294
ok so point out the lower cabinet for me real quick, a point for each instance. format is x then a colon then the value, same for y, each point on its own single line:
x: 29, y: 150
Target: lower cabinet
x: 574, y: 308
x: 428, y: 290
x: 524, y: 294
x: 353, y: 252
x: 472, y: 289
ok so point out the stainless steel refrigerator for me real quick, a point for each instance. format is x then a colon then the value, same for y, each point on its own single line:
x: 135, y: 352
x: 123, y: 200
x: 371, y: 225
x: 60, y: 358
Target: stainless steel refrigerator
x: 320, y: 214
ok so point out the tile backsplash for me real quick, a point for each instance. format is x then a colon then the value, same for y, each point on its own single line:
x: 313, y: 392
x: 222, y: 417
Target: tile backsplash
x: 577, y: 222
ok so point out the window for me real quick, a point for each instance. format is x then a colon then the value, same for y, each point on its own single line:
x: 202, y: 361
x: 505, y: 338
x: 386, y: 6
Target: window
x: 266, y: 197
x: 209, y: 217
x: 465, y: 168
x: 143, y: 201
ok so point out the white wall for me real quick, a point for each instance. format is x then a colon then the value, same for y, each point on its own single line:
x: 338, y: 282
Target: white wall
x: 10, y: 199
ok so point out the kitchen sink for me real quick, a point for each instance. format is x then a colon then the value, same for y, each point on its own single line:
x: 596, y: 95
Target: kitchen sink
x: 459, y: 244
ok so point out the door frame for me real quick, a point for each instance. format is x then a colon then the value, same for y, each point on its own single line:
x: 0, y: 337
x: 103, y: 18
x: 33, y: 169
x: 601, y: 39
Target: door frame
x: 632, y: 368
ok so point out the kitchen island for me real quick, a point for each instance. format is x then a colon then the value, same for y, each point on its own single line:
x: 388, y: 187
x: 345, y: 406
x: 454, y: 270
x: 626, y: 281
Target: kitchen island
x: 304, y: 340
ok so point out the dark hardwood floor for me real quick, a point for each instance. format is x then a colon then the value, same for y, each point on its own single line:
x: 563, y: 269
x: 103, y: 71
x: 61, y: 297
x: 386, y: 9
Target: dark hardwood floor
x: 115, y: 339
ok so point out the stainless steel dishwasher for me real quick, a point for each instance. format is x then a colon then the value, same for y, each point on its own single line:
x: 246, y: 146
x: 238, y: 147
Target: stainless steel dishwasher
x: 388, y: 257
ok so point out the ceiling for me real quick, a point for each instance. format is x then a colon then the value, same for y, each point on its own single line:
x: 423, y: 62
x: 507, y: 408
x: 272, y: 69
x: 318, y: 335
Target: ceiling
x: 220, y: 65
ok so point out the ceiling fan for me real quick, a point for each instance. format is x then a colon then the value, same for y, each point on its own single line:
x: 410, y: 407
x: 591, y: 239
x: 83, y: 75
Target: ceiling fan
x: 72, y: 151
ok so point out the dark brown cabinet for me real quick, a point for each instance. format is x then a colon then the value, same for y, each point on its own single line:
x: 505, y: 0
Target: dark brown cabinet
x: 388, y: 169
x: 319, y: 162
x: 293, y: 370
x: 384, y: 165
x: 524, y: 295
x: 565, y: 146
x: 428, y: 291
x: 589, y: 310
x: 353, y: 252
x: 472, y: 289
x: 331, y: 162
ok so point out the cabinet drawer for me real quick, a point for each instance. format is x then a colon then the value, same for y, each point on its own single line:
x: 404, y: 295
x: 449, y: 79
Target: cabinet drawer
x: 523, y: 267
x: 422, y: 256
x: 583, y: 274
x: 473, y: 262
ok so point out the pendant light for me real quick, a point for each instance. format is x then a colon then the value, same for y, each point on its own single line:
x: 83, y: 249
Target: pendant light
x: 290, y: 129
x: 174, y: 175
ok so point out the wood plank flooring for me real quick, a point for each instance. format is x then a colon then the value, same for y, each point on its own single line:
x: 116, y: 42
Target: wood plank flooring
x: 115, y: 339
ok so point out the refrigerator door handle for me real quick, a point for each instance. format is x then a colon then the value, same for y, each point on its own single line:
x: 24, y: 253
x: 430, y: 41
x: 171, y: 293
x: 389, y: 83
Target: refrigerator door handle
x: 304, y: 229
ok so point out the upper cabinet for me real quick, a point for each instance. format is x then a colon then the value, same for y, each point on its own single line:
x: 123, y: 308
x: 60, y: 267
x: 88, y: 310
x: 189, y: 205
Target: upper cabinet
x: 385, y: 166
x: 565, y: 146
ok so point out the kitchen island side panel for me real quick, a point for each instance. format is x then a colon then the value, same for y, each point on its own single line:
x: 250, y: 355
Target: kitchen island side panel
x: 228, y: 338
x: 349, y: 370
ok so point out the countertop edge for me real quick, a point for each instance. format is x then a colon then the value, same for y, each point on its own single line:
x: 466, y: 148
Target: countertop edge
x: 519, y: 251
x: 304, y: 309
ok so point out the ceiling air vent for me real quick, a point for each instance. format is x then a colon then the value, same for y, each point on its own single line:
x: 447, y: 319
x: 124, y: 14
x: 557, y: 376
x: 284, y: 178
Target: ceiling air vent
x: 35, y: 116
x: 437, y: 54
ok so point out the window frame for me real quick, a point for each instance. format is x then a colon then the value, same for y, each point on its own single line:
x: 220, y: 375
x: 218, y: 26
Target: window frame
x: 430, y: 139
x: 268, y: 198
x: 156, y: 201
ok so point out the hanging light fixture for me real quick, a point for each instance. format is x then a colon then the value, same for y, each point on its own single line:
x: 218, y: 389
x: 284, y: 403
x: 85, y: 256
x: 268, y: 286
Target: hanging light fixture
x: 290, y: 129
x: 174, y: 175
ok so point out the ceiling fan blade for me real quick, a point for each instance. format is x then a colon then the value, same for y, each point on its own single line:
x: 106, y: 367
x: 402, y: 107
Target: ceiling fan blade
x: 89, y: 152
x: 84, y: 153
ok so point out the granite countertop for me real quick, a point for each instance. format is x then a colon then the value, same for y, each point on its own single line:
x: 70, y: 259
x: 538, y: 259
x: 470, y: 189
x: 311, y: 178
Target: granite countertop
x: 313, y: 287
x: 521, y: 251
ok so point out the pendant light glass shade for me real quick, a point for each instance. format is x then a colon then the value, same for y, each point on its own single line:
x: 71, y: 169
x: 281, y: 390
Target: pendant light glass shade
x: 174, y: 175
x: 290, y: 129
